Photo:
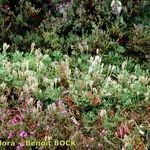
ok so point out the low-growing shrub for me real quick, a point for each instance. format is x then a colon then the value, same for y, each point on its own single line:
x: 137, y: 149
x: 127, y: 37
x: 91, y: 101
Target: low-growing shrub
x: 96, y: 104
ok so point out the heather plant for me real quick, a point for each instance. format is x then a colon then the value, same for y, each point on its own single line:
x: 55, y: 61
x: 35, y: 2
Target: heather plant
x: 75, y: 70
x: 26, y: 22
x: 140, y: 39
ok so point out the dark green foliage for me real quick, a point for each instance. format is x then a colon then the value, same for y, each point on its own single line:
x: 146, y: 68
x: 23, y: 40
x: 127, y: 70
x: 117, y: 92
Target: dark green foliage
x: 25, y: 22
x: 75, y: 71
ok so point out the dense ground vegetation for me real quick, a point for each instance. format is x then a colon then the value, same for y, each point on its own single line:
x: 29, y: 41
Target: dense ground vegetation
x: 74, y: 70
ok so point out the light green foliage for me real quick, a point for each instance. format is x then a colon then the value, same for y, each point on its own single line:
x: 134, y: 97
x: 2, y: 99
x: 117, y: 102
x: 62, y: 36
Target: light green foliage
x: 36, y: 73
x: 82, y: 76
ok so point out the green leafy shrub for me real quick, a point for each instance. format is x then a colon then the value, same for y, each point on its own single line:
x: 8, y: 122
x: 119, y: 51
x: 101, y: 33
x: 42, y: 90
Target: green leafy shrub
x: 71, y: 72
x: 27, y: 21
x: 140, y: 39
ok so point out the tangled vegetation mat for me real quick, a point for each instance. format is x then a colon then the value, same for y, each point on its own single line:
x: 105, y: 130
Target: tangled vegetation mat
x: 74, y: 75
